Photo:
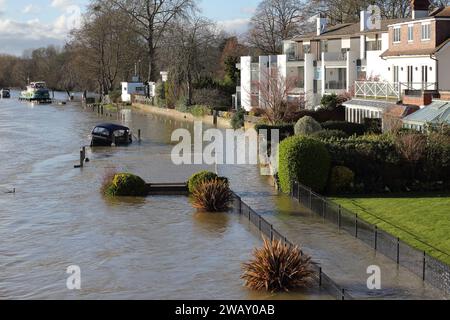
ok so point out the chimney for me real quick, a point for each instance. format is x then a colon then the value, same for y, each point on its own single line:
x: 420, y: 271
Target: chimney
x: 321, y: 25
x: 419, y: 8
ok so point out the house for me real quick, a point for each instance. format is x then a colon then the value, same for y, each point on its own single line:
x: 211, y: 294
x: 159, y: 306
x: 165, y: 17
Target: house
x: 132, y: 88
x: 371, y: 59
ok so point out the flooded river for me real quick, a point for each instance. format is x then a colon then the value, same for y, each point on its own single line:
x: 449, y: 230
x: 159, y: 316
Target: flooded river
x: 153, y: 248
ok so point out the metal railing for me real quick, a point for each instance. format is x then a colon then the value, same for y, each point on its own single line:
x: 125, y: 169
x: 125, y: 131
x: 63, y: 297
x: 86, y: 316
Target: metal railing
x: 267, y: 229
x: 431, y: 270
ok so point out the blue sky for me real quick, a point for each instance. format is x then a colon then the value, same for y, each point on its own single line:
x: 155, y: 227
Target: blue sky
x: 35, y: 23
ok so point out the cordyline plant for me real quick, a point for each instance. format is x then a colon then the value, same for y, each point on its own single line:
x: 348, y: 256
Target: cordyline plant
x: 212, y: 196
x: 277, y: 267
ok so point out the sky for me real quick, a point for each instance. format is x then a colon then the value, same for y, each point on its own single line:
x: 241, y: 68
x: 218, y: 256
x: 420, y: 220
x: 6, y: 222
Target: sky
x: 26, y: 24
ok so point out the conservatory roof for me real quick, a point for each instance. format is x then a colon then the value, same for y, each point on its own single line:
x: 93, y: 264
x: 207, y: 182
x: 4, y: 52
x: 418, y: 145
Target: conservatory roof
x: 437, y: 112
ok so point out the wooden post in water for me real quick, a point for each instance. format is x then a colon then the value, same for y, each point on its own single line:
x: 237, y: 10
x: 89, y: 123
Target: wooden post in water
x: 82, y: 156
x: 139, y: 135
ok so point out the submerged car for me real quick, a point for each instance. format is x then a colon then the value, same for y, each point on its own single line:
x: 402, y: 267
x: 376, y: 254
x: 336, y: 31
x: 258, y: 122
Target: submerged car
x: 108, y: 134
x: 5, y: 93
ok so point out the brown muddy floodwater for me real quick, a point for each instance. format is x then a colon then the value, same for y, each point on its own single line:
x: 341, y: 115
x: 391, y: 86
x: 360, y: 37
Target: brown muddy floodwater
x: 153, y: 248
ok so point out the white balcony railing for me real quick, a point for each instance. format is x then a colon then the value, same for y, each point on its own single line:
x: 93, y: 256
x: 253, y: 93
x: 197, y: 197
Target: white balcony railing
x: 382, y: 89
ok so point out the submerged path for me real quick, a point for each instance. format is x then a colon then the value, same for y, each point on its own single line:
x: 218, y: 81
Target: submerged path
x: 343, y: 258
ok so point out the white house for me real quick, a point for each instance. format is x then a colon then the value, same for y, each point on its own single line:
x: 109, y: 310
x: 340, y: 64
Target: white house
x: 366, y: 59
x: 129, y: 88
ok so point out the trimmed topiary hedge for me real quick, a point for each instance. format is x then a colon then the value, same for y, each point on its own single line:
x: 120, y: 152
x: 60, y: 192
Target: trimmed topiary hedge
x: 126, y: 185
x: 304, y: 159
x: 306, y: 126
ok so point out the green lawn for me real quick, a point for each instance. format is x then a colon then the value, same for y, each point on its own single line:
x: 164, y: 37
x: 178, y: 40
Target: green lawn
x: 423, y: 218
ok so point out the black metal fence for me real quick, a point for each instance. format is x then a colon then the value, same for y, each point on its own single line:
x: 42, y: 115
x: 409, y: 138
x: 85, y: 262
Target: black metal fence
x: 267, y: 229
x: 431, y: 270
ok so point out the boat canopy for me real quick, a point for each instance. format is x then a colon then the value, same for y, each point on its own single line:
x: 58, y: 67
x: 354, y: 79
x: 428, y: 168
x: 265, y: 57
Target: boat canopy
x: 112, y: 127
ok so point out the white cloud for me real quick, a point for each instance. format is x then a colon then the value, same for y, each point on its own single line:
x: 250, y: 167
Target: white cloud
x: 2, y: 6
x: 61, y: 4
x: 30, y: 8
x: 234, y: 25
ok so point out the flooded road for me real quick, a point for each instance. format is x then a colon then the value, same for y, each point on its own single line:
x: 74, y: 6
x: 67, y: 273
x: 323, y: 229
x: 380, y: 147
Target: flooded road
x: 153, y: 248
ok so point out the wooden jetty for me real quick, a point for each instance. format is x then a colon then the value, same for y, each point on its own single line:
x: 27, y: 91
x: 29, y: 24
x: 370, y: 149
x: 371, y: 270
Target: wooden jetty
x: 169, y: 189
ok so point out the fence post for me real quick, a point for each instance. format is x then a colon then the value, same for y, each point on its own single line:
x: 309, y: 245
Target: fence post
x: 260, y: 229
x: 310, y: 198
x: 343, y: 294
x: 398, y: 250
x: 339, y: 217
x: 376, y: 238
x: 298, y: 191
x: 139, y: 135
x: 324, y: 208
x: 82, y: 157
x: 424, y: 267
x: 271, y: 232
x: 320, y: 276
x: 356, y: 225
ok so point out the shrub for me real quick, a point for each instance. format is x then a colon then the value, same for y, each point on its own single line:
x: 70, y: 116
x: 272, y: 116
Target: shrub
x: 329, y: 134
x: 307, y: 125
x: 212, y: 196
x: 211, y: 97
x: 341, y: 179
x: 199, y: 110
x: 305, y: 160
x: 276, y: 267
x: 348, y: 127
x: 115, y: 96
x: 125, y: 185
x: 321, y: 115
x: 200, y: 177
x: 238, y: 119
x: 331, y: 101
x: 257, y: 112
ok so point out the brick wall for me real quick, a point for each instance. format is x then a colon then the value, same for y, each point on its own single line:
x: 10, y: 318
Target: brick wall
x: 445, y: 95
x: 417, y: 42
x: 421, y: 100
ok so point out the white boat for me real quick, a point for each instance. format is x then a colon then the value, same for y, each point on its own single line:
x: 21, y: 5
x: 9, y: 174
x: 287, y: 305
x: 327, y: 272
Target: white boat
x: 36, y: 91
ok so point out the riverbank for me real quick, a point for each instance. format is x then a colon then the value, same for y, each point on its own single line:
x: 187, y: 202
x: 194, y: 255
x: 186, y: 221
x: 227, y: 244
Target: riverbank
x: 181, y: 116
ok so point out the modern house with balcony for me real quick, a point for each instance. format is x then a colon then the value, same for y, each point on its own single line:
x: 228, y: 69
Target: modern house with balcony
x: 371, y: 59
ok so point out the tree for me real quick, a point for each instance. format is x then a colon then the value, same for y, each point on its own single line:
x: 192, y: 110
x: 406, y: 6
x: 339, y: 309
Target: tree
x: 274, y: 96
x: 190, y: 52
x: 275, y: 21
x: 150, y: 19
x: 108, y: 44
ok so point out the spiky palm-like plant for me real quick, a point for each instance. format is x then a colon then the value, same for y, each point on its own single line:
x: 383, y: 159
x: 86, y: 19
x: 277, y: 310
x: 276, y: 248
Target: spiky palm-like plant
x: 212, y: 196
x: 277, y: 267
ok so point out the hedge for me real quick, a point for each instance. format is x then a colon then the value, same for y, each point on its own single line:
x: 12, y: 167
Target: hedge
x: 285, y: 129
x: 348, y: 127
x: 126, y: 185
x: 322, y: 115
x: 306, y: 126
x: 303, y: 159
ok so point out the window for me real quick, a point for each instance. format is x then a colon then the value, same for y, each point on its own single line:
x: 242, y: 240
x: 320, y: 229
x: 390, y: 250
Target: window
x: 424, y: 74
x: 396, y: 77
x: 410, y: 33
x: 397, y: 32
x: 426, y: 31
x: 410, y: 75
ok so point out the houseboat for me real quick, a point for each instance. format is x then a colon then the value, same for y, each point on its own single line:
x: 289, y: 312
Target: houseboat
x: 36, y: 91
x: 108, y: 134
x: 5, y: 93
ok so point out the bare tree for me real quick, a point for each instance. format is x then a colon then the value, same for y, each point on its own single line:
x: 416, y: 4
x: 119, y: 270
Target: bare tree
x: 275, y: 21
x: 275, y: 99
x: 191, y: 51
x: 150, y: 19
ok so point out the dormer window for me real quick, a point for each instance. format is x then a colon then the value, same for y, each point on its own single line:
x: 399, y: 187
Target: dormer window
x: 426, y: 31
x: 397, y: 34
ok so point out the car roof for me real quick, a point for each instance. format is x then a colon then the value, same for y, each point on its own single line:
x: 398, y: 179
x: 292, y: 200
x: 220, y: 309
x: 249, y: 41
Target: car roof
x: 112, y: 126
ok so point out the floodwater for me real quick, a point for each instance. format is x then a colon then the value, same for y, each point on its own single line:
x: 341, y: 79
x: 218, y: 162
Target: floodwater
x: 153, y: 248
